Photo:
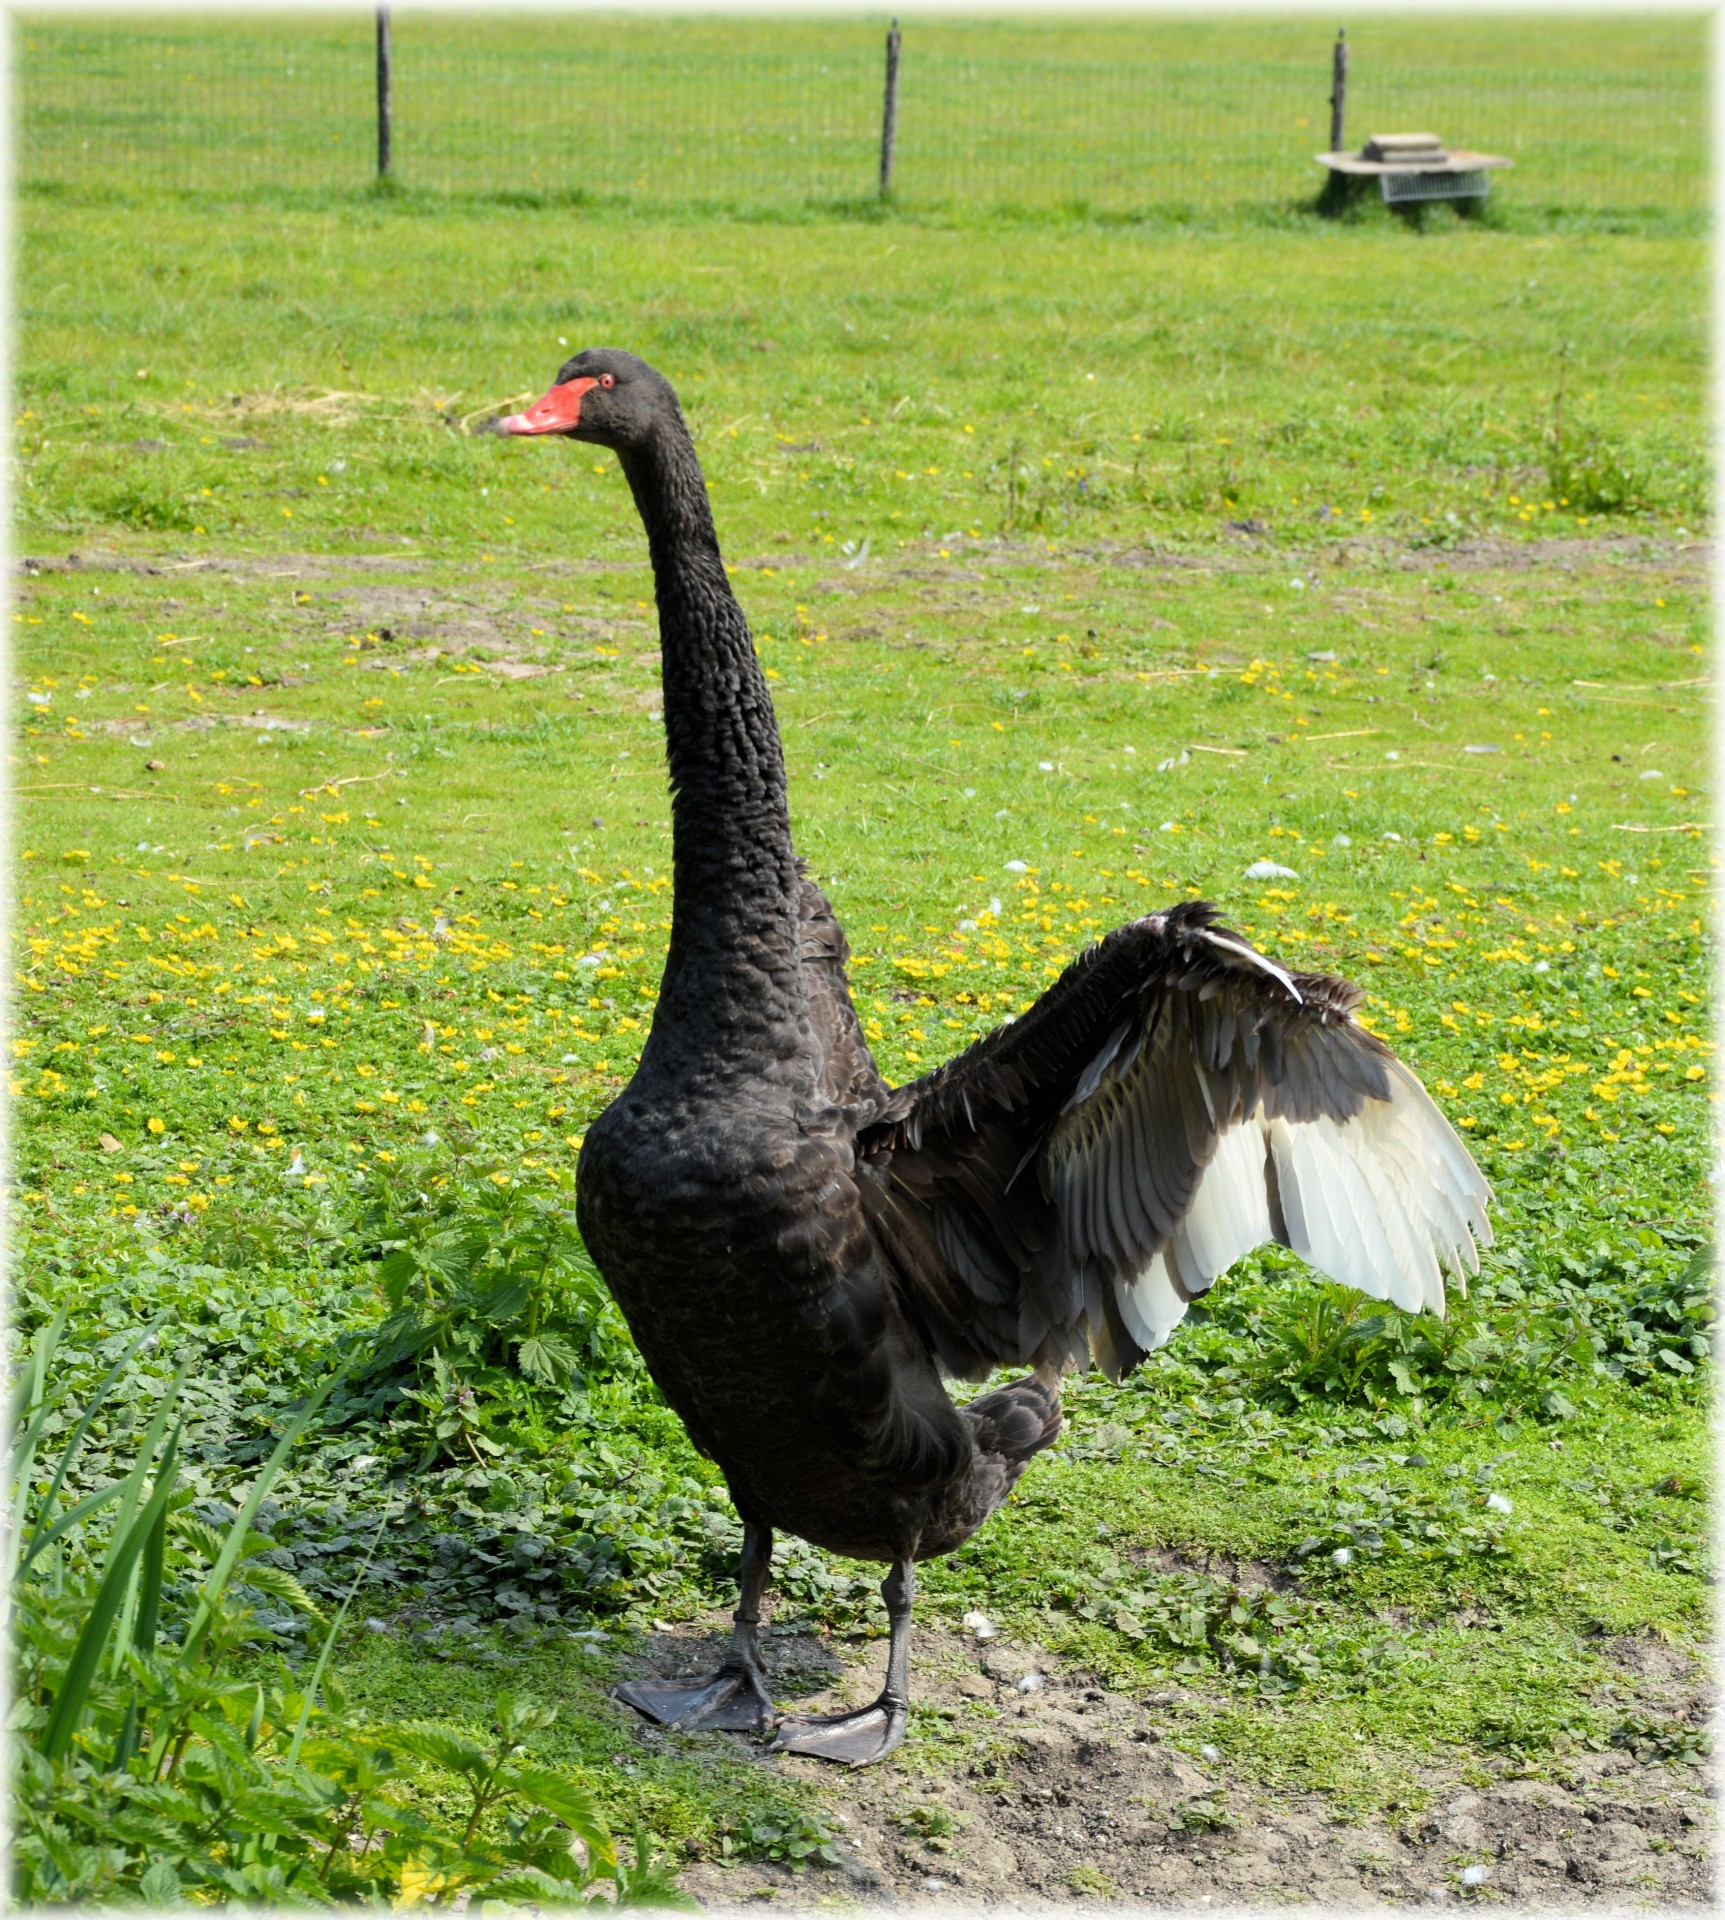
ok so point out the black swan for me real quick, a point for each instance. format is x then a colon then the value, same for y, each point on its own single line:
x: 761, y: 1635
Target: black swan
x: 801, y: 1250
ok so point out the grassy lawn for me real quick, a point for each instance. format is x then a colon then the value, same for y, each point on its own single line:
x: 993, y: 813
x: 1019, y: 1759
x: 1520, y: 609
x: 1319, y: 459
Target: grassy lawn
x: 1119, y: 115
x: 1091, y: 565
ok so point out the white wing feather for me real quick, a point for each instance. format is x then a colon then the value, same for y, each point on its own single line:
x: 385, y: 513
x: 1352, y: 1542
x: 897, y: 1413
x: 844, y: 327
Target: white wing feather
x: 1375, y: 1203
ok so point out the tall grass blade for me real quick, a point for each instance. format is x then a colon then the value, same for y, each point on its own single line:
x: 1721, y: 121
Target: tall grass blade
x: 145, y: 1587
x: 127, y: 1744
x: 27, y: 1392
x: 69, y: 1452
x: 29, y: 1405
x: 41, y: 1540
x: 327, y: 1648
x: 152, y: 1576
x: 216, y: 1581
x: 134, y: 1485
x: 74, y: 1692
x: 134, y: 1482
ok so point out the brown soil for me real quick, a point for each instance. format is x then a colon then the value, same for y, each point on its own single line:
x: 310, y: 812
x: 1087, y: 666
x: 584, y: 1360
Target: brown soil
x: 258, y: 722
x: 1491, y: 553
x: 1242, y: 553
x: 1077, y: 1796
x: 487, y: 621
x: 286, y: 566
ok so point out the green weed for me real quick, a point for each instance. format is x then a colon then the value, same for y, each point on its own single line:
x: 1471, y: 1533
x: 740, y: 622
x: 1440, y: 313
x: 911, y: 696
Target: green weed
x: 933, y: 1826
x: 1369, y: 1522
x: 156, y: 1772
x: 1649, y: 1737
x: 1591, y: 475
x: 492, y: 1296
x: 1206, y: 1813
x: 792, y: 1838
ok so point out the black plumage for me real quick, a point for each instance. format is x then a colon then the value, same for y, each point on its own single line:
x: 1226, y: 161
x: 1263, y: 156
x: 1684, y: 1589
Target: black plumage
x: 801, y: 1250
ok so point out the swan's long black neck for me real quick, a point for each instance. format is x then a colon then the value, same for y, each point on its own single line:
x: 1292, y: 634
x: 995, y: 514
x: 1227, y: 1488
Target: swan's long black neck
x: 733, y: 974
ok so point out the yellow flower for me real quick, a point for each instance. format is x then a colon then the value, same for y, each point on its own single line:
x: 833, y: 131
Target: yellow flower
x: 154, y: 1125
x: 419, y: 1883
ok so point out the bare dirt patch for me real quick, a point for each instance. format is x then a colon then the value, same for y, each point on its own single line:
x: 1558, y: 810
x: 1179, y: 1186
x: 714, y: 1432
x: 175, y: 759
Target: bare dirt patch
x: 1241, y: 554
x: 1563, y: 553
x: 401, y: 624
x: 1488, y: 553
x: 1062, y: 1792
x: 145, y: 728
x: 237, y: 566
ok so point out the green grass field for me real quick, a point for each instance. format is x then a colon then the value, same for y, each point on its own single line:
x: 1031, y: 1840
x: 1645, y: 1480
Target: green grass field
x: 1091, y: 563
x: 1604, y: 118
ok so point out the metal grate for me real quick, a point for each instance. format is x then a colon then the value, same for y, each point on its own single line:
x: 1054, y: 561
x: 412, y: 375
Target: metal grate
x: 1435, y: 186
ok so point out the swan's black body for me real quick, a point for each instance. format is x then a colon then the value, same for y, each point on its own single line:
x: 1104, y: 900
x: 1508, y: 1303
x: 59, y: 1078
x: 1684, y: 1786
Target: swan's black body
x: 719, y: 1193
x: 801, y: 1250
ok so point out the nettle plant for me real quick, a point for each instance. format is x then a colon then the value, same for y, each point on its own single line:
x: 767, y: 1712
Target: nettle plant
x: 1531, y: 1338
x: 493, y: 1301
x: 161, y: 1757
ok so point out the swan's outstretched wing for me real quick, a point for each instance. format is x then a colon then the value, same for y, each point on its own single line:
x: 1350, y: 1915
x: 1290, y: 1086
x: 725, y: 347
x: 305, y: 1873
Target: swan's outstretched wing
x: 1071, y: 1182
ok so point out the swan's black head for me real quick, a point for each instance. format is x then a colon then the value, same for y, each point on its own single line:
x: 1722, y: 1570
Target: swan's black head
x: 603, y: 395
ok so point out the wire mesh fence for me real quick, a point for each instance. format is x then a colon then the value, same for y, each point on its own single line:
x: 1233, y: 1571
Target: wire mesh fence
x: 1121, y: 115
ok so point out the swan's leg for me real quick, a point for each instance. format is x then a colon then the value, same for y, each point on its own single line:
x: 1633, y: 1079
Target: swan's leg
x: 857, y: 1739
x: 735, y: 1698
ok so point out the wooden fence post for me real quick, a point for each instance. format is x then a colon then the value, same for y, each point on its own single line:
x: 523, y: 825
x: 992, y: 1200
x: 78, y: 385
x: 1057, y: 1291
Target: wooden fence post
x: 1337, y: 186
x: 889, y: 112
x: 1339, y: 93
x: 385, y: 104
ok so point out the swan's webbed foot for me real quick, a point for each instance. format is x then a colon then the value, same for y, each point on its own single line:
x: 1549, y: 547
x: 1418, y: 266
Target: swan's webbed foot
x: 859, y: 1739
x: 853, y: 1739
x: 733, y: 1700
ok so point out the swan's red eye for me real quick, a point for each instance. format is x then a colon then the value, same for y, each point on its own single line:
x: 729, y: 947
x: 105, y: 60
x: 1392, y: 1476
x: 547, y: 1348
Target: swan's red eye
x: 607, y: 379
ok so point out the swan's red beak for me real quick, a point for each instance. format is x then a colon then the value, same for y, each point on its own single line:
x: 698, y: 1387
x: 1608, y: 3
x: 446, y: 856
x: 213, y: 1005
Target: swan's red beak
x: 558, y: 412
